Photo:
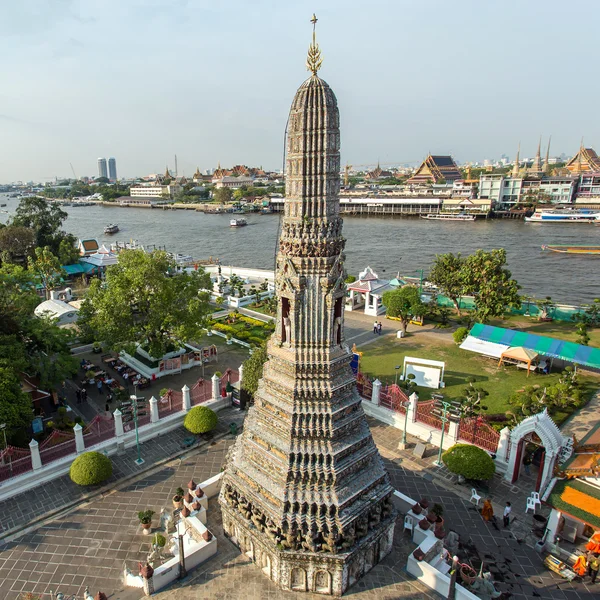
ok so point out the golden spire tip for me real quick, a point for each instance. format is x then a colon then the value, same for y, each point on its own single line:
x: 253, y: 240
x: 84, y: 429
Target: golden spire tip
x: 314, y: 59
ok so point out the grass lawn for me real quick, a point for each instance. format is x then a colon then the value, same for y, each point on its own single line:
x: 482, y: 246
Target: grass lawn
x: 261, y: 308
x: 562, y: 330
x: 380, y: 358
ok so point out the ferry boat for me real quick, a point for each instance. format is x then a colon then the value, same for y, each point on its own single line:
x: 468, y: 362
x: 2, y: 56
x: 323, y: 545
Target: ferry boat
x: 563, y: 249
x: 448, y: 217
x: 563, y: 216
x: 112, y: 228
x: 238, y: 223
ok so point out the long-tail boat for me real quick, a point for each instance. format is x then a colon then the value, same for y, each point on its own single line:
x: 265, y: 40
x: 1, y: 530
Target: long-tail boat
x: 564, y: 249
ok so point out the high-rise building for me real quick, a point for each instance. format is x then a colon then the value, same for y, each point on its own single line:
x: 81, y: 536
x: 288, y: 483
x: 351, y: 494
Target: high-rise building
x: 102, y: 170
x: 112, y: 168
x: 305, y: 492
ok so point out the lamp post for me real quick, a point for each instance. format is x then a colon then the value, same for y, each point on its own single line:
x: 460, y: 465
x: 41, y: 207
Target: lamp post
x: 445, y: 408
x: 404, y: 439
x: 136, y: 407
x: 180, y: 536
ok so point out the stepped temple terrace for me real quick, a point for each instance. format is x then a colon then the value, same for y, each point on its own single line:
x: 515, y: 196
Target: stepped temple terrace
x: 304, y: 493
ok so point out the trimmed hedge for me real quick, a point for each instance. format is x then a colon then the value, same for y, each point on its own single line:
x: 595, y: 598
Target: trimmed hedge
x: 90, y: 468
x: 460, y: 335
x: 200, y: 419
x: 469, y: 461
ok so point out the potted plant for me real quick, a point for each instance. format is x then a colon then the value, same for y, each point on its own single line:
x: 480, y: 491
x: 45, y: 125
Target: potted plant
x: 145, y: 517
x: 467, y: 574
x: 178, y: 498
x: 424, y: 524
x: 438, y: 510
x: 417, y: 509
x: 159, y: 540
x: 229, y: 338
x: 96, y: 348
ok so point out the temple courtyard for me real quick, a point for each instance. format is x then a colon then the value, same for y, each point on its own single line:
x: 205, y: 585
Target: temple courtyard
x: 78, y: 540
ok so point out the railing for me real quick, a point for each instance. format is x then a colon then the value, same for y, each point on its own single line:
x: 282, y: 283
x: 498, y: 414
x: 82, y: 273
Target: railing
x: 14, y: 461
x: 201, y: 392
x: 425, y: 415
x: 57, y: 445
x: 393, y: 398
x: 477, y: 432
x: 170, y: 403
x: 98, y: 430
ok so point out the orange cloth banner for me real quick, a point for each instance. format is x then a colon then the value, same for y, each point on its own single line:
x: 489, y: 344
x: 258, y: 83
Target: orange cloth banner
x: 581, y: 500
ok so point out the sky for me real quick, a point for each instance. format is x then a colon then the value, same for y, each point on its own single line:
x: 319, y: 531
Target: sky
x: 143, y: 80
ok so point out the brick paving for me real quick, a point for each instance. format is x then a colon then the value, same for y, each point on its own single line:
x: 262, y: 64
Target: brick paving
x: 60, y: 492
x: 89, y: 544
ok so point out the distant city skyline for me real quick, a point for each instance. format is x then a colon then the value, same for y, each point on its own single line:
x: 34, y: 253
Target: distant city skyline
x: 471, y: 82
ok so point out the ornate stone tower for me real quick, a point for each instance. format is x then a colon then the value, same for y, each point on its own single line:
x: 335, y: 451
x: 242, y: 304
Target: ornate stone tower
x: 305, y: 494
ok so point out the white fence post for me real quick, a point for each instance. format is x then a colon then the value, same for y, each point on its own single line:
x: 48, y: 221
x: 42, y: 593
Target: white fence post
x: 375, y: 392
x: 119, y: 433
x: 241, y: 373
x: 79, y: 443
x: 412, y: 407
x: 453, y: 431
x: 216, y: 392
x: 187, y: 403
x: 154, y: 410
x: 36, y: 459
x: 502, y: 450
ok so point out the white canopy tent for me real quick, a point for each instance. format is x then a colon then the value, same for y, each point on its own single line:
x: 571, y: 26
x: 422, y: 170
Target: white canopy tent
x: 490, y: 349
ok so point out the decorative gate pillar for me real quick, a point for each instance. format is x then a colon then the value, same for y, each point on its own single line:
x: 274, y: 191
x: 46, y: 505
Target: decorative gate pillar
x: 453, y: 431
x: 36, y: 459
x: 187, y: 403
x: 503, y: 445
x: 241, y: 373
x: 376, y: 392
x: 154, y: 410
x: 79, y: 443
x: 412, y: 407
x: 119, y: 433
x: 216, y: 392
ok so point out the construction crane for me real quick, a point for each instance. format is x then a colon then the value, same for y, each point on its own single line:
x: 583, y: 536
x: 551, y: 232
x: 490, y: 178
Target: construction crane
x: 74, y: 174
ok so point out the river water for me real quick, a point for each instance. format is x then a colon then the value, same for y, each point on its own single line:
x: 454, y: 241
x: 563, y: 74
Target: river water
x: 388, y: 245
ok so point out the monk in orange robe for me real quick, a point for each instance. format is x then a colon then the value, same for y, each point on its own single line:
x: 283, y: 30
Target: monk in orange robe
x: 580, y: 566
x: 487, y: 512
x: 594, y: 544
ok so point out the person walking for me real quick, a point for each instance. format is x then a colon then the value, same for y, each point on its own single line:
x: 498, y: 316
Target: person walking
x: 527, y: 464
x: 593, y: 566
x: 379, y: 327
x: 78, y: 395
x: 99, y: 386
x: 506, y: 514
x: 487, y: 511
x: 375, y: 326
x: 83, y: 395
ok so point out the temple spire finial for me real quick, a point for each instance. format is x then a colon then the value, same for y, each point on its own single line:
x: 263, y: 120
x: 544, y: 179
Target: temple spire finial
x: 314, y: 59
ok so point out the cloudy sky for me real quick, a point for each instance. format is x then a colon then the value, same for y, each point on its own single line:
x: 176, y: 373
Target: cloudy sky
x: 211, y: 81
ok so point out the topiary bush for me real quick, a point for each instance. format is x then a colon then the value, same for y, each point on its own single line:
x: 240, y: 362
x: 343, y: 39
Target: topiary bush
x: 460, y: 334
x: 90, y: 468
x: 469, y: 461
x: 200, y: 419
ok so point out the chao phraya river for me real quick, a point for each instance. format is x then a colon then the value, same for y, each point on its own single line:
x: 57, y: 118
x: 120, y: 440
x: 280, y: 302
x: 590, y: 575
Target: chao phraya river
x: 388, y: 245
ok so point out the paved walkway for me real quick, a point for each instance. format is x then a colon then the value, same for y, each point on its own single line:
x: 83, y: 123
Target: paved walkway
x: 583, y: 420
x: 88, y: 544
x: 61, y: 492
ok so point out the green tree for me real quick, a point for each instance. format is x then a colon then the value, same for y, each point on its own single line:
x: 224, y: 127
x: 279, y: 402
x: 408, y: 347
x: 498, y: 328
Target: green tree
x: 90, y: 468
x: 46, y: 267
x: 253, y: 369
x: 16, y: 243
x: 101, y: 180
x: 222, y: 195
x: 591, y: 313
x: 15, y: 404
x: 471, y: 404
x: 448, y: 275
x: 404, y: 303
x: 67, y: 250
x: 139, y: 302
x: 43, y: 218
x: 490, y: 283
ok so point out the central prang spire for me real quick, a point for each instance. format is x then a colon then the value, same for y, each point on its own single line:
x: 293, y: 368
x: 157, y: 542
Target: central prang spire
x: 305, y: 492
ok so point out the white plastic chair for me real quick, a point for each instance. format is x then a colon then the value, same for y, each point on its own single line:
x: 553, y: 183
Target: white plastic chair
x: 530, y: 505
x: 408, y: 524
x: 535, y: 497
x: 475, y: 496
